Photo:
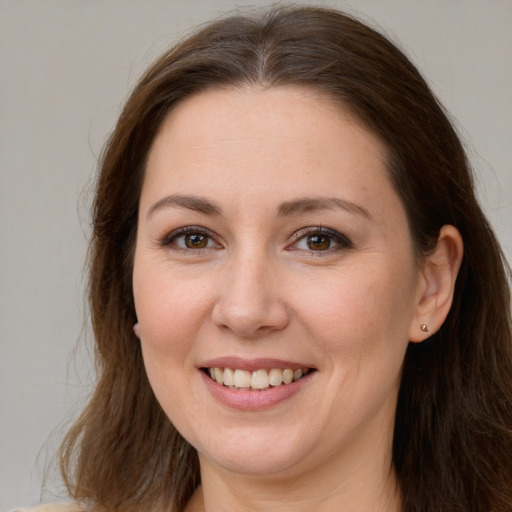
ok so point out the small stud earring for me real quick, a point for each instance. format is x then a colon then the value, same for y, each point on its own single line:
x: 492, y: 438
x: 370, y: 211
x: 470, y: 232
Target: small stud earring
x: 424, y: 328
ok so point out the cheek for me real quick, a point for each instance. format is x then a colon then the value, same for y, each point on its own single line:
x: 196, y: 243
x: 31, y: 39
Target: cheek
x: 362, y: 297
x: 361, y: 313
x: 169, y: 311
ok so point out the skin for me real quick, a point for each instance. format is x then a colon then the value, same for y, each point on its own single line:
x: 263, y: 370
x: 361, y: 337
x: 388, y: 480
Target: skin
x: 260, y: 289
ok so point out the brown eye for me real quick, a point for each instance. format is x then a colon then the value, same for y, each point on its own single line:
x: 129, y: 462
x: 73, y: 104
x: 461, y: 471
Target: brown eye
x: 319, y: 242
x: 196, y: 241
x: 190, y: 238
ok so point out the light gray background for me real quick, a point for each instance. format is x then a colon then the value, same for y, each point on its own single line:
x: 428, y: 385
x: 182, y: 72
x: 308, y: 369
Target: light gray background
x: 65, y: 69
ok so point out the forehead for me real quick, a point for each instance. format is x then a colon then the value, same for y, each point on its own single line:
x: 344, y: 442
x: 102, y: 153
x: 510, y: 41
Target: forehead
x: 249, y: 151
x: 259, y: 111
x: 294, y: 133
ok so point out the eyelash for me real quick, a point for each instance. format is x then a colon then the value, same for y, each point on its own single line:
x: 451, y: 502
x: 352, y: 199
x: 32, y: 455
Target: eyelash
x: 173, y: 236
x: 341, y: 241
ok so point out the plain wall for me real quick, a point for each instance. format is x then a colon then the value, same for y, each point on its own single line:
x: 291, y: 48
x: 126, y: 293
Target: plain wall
x: 65, y: 69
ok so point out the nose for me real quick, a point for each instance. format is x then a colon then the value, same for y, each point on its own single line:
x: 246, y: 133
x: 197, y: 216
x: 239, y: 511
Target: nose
x: 249, y: 301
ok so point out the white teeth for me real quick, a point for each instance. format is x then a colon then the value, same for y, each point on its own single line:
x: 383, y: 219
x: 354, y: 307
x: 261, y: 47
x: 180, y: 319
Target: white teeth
x: 258, y: 379
x: 242, y: 379
x: 275, y: 377
x: 287, y: 376
x: 219, y: 375
x: 228, y: 377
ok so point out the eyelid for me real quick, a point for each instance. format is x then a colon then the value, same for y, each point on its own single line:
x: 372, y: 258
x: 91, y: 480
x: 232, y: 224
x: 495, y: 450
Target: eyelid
x: 340, y: 239
x: 168, y: 239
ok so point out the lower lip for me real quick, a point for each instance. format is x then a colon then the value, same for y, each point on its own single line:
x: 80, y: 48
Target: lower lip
x: 254, y: 400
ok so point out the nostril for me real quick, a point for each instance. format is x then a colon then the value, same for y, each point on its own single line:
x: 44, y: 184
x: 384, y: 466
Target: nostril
x: 251, y: 318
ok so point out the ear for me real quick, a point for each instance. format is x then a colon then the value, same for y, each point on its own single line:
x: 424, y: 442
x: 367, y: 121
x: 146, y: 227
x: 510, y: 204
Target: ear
x: 136, y: 329
x: 437, y: 284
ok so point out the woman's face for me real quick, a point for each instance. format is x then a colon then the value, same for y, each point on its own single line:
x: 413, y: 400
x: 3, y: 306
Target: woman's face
x: 271, y: 241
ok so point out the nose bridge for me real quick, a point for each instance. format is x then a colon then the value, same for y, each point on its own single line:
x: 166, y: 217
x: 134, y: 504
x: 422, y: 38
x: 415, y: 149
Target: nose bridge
x: 249, y: 301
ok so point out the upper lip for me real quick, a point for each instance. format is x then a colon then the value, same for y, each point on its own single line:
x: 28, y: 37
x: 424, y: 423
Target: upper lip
x: 252, y: 364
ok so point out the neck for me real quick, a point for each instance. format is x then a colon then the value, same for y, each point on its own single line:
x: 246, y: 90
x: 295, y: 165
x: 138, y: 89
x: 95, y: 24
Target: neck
x: 362, y: 480
x: 259, y: 499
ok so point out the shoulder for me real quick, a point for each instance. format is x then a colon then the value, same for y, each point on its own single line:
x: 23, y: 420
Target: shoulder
x: 51, y: 507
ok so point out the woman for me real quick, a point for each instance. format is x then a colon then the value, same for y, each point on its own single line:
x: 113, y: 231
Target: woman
x: 296, y: 299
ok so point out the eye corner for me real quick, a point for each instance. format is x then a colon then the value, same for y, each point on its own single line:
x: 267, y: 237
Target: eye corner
x: 319, y: 240
x: 190, y: 239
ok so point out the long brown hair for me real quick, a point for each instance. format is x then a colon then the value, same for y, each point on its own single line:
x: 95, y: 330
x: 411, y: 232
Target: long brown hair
x: 453, y: 435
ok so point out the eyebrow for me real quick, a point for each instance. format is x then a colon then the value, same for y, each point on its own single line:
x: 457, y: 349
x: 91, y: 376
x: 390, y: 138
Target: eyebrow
x: 287, y: 209
x: 315, y: 204
x: 196, y: 203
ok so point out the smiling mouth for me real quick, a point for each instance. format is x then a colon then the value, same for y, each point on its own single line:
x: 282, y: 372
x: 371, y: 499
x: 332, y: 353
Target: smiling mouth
x: 259, y: 380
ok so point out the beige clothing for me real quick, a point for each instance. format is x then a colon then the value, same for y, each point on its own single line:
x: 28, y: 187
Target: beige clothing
x: 51, y: 507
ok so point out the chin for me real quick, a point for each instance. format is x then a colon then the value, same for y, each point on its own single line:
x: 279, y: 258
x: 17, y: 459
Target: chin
x: 254, y: 454
x: 256, y: 463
